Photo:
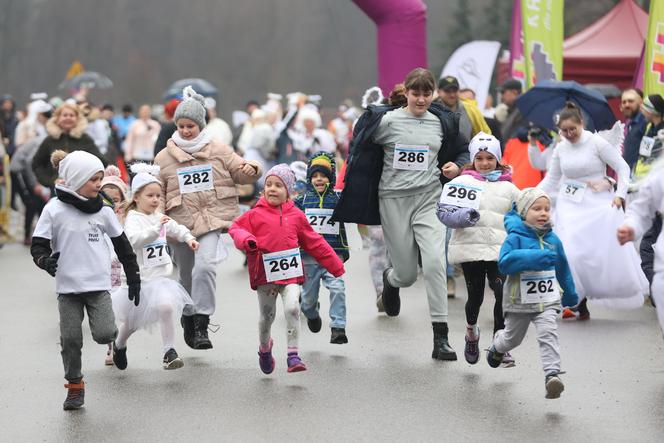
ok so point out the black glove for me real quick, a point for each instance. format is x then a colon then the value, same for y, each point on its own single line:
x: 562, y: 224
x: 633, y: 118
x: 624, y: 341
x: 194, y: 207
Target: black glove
x: 50, y: 264
x: 135, y: 292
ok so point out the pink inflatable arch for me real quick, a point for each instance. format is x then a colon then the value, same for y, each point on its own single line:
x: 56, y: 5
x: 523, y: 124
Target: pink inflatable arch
x: 402, y: 38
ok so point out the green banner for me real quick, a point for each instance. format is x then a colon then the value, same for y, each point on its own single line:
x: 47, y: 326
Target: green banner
x: 542, y: 24
x: 653, y: 72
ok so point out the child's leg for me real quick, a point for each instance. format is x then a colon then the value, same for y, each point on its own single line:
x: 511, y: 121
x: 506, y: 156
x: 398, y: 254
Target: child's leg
x: 184, y: 259
x: 509, y: 338
x: 310, y: 289
x: 100, y: 316
x: 337, y: 289
x: 475, y: 274
x: 204, y: 274
x: 547, y: 337
x: 166, y: 326
x: 267, y: 304
x: 496, y: 284
x: 290, y: 295
x: 124, y: 332
x: 378, y: 257
x: 70, y: 307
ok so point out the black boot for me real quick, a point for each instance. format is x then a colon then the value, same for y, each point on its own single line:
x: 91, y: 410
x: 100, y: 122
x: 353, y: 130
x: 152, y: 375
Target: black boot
x: 441, y: 347
x: 187, y: 322
x: 201, y: 340
x: 391, y: 299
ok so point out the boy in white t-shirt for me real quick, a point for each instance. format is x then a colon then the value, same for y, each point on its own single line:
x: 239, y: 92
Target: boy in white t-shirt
x: 70, y: 235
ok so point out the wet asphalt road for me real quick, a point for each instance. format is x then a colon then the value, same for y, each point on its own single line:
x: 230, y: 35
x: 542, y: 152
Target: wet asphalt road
x: 382, y: 386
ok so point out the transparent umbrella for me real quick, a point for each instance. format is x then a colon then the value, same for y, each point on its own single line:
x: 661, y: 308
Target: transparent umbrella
x: 89, y: 80
x: 201, y: 86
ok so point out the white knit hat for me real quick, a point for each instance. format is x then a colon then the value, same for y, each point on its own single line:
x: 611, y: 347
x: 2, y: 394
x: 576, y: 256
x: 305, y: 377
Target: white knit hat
x: 526, y: 199
x: 145, y: 174
x: 77, y: 168
x: 484, y: 142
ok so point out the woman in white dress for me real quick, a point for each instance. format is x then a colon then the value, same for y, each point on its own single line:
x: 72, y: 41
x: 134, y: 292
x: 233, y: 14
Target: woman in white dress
x: 588, y: 212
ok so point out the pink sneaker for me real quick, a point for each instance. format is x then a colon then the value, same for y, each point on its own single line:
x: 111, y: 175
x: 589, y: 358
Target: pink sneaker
x: 265, y: 359
x: 295, y: 364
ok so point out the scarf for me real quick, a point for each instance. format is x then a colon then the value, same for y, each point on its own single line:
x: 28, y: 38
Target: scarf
x: 193, y: 145
x: 86, y: 205
x: 540, y: 231
x: 493, y: 176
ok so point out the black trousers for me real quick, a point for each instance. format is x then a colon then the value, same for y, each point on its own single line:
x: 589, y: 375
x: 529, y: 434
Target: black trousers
x: 34, y: 204
x: 475, y: 274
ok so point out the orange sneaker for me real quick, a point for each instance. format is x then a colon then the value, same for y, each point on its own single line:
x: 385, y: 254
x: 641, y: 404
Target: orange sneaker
x: 568, y: 313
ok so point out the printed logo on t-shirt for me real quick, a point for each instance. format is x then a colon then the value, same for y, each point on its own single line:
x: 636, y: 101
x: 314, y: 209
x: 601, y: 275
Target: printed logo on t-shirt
x: 94, y: 233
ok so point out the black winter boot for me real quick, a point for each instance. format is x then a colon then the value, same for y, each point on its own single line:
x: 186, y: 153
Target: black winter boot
x: 441, y: 347
x: 201, y: 340
x: 187, y: 322
x: 391, y: 299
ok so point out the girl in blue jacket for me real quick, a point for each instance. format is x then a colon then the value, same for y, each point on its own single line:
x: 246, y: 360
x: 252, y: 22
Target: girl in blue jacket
x: 538, y: 279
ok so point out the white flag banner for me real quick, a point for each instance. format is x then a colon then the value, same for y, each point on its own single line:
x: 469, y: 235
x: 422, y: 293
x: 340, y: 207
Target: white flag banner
x: 472, y: 64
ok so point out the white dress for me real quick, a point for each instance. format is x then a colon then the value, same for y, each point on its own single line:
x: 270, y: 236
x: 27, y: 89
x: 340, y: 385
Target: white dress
x: 148, y: 238
x: 586, y: 223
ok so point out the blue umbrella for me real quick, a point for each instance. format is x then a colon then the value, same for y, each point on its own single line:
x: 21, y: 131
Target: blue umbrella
x: 548, y: 97
x: 201, y: 86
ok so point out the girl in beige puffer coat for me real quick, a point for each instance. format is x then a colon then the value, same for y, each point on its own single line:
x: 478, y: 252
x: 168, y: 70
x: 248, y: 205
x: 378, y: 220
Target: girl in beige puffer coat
x: 199, y: 175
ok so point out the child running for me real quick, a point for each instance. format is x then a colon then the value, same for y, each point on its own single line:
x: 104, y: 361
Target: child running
x: 115, y: 191
x: 318, y: 203
x: 199, y: 175
x: 271, y: 234
x: 147, y: 229
x: 534, y: 261
x: 70, y: 236
x: 485, y: 190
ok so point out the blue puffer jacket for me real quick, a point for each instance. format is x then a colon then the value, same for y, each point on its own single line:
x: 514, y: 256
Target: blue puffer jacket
x: 311, y: 199
x: 525, y: 250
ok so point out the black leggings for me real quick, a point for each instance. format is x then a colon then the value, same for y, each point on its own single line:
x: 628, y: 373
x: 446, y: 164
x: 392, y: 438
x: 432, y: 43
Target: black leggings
x: 475, y: 273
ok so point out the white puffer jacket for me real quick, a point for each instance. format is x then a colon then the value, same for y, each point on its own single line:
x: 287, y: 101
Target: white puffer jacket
x: 483, y: 241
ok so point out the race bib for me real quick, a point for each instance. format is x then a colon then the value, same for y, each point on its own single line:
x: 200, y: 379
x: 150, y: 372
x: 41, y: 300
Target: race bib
x: 462, y: 195
x: 411, y: 157
x: 156, y: 254
x: 195, y: 178
x: 321, y: 221
x: 539, y: 287
x: 283, y: 265
x: 645, y: 148
x: 574, y: 190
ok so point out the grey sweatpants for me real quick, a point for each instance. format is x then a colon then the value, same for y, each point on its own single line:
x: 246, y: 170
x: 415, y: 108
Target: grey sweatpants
x: 198, y: 272
x: 516, y: 326
x: 410, y: 225
x: 267, y: 304
x: 102, y: 326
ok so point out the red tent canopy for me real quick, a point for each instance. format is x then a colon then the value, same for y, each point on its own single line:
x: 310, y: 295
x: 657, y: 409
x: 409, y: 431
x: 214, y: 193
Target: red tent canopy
x: 609, y: 49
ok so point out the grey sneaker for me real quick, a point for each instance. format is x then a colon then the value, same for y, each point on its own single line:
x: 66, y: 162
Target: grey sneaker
x: 554, y: 386
x: 472, y: 350
x: 172, y: 360
x: 508, y: 361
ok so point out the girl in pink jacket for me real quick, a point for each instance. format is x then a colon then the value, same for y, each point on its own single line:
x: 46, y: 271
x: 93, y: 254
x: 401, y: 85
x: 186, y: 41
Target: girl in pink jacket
x: 272, y: 234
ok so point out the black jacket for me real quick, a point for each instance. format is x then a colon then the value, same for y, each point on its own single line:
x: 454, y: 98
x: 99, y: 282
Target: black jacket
x: 646, y: 250
x: 359, y: 200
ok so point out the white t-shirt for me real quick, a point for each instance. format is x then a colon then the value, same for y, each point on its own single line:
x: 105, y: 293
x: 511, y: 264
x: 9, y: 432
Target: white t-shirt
x: 85, y: 258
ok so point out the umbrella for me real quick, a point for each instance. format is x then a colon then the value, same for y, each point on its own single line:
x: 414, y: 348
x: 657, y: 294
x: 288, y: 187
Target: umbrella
x: 548, y: 97
x: 87, y: 79
x: 201, y: 86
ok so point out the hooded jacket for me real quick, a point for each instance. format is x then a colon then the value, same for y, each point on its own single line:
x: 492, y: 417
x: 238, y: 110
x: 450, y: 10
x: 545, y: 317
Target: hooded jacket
x: 525, y: 250
x: 75, y: 140
x: 358, y: 202
x: 277, y: 229
x: 311, y: 199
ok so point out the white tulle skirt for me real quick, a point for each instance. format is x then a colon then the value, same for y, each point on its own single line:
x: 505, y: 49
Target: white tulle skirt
x: 605, y: 272
x: 158, y: 296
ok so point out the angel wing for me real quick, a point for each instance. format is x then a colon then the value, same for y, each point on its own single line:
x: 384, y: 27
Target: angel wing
x: 615, y: 136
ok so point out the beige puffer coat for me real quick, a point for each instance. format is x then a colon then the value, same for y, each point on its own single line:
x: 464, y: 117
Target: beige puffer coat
x: 209, y: 210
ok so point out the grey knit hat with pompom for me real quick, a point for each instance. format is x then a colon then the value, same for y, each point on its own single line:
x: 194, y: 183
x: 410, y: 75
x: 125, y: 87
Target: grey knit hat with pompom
x: 191, y: 107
